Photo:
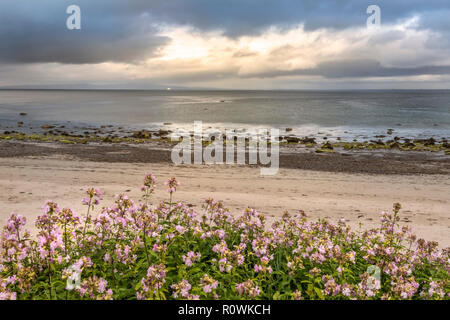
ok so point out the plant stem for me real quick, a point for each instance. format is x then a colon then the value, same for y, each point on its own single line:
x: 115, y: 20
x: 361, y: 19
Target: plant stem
x: 145, y: 246
x: 50, y: 279
x: 65, y: 238
x: 87, y: 218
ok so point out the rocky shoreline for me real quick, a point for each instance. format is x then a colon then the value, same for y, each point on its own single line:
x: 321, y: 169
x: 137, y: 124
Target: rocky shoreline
x: 113, y: 134
x: 380, y: 154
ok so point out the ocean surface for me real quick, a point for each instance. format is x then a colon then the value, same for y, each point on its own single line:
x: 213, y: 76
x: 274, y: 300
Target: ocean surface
x: 345, y: 114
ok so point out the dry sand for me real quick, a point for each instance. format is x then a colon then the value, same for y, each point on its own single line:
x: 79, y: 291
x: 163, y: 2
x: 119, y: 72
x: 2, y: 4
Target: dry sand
x: 27, y: 182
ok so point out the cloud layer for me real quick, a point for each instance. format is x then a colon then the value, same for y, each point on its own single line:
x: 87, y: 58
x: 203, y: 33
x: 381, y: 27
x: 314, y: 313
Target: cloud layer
x: 263, y: 44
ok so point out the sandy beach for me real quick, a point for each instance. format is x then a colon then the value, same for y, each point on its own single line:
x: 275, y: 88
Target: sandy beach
x: 28, y: 181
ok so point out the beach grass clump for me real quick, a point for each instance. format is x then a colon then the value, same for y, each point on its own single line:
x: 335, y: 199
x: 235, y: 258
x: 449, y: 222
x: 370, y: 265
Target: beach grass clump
x: 77, y: 139
x: 167, y: 250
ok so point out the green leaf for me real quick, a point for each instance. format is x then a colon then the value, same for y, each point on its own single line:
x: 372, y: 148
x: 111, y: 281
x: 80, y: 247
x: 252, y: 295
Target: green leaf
x: 319, y: 293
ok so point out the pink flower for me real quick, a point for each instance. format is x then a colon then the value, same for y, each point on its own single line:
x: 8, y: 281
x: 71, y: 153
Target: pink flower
x: 102, y: 283
x: 172, y: 184
x: 180, y: 229
x: 191, y: 257
x: 149, y: 183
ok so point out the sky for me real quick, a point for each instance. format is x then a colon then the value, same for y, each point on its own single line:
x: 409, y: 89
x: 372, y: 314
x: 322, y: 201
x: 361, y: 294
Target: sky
x: 225, y: 44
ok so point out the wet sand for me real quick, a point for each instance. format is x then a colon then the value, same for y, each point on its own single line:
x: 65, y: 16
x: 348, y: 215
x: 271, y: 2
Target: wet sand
x: 291, y: 157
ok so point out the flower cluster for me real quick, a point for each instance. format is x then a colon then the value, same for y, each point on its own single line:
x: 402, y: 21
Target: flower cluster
x: 153, y: 282
x: 96, y: 289
x: 166, y: 250
x: 149, y: 185
x: 208, y: 283
x: 172, y: 185
x: 248, y: 289
x: 181, y: 290
x: 191, y: 257
x: 93, y: 196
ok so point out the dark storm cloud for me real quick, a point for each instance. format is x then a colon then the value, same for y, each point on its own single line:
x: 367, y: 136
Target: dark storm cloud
x: 35, y: 31
x: 244, y: 17
x: 355, y: 68
x: 125, y: 31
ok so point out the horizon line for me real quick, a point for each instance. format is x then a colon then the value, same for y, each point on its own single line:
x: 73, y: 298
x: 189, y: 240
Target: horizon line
x: 208, y: 89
